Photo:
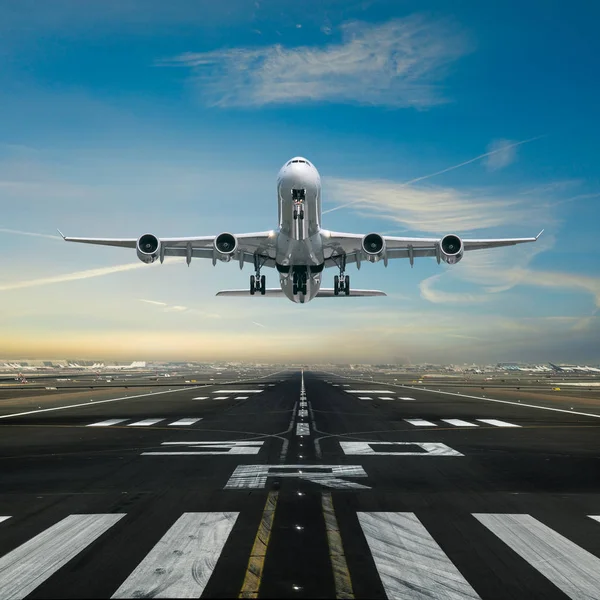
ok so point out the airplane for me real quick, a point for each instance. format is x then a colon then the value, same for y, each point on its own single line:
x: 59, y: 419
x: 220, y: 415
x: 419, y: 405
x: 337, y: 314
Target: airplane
x: 300, y: 249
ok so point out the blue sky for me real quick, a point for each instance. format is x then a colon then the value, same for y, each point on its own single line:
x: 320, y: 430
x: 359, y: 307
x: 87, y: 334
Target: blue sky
x: 126, y: 117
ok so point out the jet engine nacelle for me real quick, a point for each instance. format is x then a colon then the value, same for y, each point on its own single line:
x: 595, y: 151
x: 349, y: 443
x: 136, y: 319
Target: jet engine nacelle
x: 451, y: 249
x: 373, y: 246
x: 225, y: 245
x: 148, y: 248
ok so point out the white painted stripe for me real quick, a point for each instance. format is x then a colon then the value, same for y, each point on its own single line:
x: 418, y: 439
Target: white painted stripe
x: 570, y: 568
x: 429, y: 449
x: 185, y: 422
x: 221, y: 398
x: 241, y: 398
x: 410, y: 563
x: 460, y: 423
x: 562, y: 410
x: 237, y: 391
x: 181, y: 564
x: 303, y: 413
x: 145, y: 423
x: 420, y: 423
x: 365, y: 398
x: 302, y: 429
x: 406, y: 398
x: 497, y: 423
x: 106, y: 423
x: 95, y: 402
x: 369, y: 391
x: 595, y: 517
x: 201, y: 398
x: 385, y: 398
x: 29, y: 565
x: 4, y: 518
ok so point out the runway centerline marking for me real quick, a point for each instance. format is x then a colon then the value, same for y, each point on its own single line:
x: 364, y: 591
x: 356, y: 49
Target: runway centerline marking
x: 410, y: 562
x: 181, y: 563
x: 96, y: 402
x: 575, y: 571
x: 32, y: 563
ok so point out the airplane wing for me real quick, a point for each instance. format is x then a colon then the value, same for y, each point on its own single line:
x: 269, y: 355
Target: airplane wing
x: 248, y: 245
x: 322, y: 293
x: 350, y: 246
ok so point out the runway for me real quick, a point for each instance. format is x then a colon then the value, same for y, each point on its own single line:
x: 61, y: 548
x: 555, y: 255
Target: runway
x: 300, y: 485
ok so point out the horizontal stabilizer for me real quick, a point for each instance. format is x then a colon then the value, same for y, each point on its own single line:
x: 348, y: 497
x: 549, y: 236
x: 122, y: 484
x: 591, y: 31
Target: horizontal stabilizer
x: 278, y: 293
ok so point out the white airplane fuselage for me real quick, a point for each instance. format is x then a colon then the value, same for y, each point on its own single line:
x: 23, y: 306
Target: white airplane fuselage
x: 299, y: 243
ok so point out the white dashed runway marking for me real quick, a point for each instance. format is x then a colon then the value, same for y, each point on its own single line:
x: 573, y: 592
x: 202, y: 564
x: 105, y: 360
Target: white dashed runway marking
x: 497, y: 423
x: 420, y: 423
x: 145, y: 423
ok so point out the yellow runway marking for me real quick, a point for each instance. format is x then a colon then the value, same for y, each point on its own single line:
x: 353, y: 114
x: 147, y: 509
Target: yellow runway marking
x: 341, y: 575
x: 256, y: 564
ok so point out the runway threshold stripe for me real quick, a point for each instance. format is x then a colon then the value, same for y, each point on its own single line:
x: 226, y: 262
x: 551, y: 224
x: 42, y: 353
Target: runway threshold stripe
x: 181, y: 563
x: 420, y: 423
x: 369, y: 391
x: 4, y: 518
x: 256, y: 563
x: 460, y: 423
x: 365, y: 398
x: 185, y: 422
x: 406, y: 398
x: 107, y: 423
x: 32, y: 563
x: 497, y: 423
x: 570, y: 568
x: 595, y: 517
x: 341, y: 574
x: 410, y: 562
x: 238, y: 391
x: 145, y: 423
x: 201, y: 398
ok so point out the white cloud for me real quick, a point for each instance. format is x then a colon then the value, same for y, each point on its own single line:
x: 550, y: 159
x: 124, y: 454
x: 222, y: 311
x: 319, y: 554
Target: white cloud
x: 438, y: 209
x: 399, y: 63
x: 501, y: 154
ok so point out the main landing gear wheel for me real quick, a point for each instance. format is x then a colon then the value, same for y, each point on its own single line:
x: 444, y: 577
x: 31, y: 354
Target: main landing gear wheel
x: 258, y: 283
x: 341, y: 283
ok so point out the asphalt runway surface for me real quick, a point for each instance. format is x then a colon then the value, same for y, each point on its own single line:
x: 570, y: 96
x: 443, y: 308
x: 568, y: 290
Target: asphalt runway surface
x: 296, y: 485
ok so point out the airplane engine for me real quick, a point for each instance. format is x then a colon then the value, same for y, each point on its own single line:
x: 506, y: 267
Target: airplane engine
x: 373, y: 246
x: 225, y: 246
x: 148, y: 248
x: 451, y: 249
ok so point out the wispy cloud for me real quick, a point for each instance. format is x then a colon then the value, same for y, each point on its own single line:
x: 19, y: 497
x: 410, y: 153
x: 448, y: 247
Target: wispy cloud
x: 436, y: 209
x: 155, y: 302
x: 17, y: 285
x: 399, y: 63
x: 489, y: 153
x: 501, y: 153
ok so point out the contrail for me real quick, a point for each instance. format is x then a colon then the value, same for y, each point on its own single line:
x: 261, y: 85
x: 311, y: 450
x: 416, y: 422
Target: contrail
x: 462, y: 164
x: 75, y: 276
x: 42, y: 235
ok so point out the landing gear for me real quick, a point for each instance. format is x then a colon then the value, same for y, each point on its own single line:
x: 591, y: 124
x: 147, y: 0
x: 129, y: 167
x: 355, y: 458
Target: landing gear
x: 258, y: 282
x: 341, y: 282
x: 298, y: 196
x: 299, y: 281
